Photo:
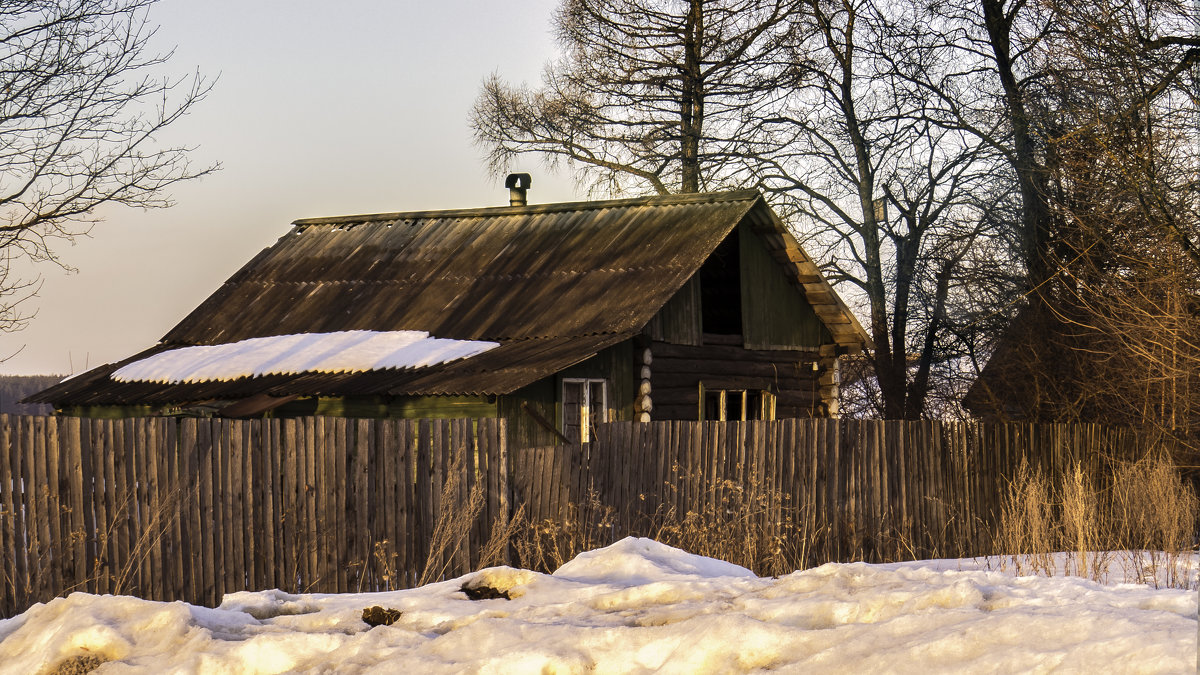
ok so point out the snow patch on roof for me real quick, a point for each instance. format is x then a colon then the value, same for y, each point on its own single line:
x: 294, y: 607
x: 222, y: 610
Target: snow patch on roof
x: 352, y: 351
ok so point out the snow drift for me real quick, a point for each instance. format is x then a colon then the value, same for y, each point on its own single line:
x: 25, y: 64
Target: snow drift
x: 639, y: 606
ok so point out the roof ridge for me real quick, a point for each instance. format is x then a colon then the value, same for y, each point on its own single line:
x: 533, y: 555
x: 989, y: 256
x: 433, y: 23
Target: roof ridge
x: 554, y: 207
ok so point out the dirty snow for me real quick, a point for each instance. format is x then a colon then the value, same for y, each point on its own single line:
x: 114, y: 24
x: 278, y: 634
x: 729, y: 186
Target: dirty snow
x: 343, y: 352
x: 639, y: 606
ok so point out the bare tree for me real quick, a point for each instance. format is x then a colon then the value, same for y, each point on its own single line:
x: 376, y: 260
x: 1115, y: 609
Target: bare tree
x: 895, y: 198
x: 650, y: 96
x: 1050, y: 70
x: 1110, y: 333
x: 80, y: 107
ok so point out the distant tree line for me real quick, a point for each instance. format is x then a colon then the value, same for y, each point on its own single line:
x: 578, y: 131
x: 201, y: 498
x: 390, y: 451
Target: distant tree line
x: 954, y: 165
x: 13, y: 388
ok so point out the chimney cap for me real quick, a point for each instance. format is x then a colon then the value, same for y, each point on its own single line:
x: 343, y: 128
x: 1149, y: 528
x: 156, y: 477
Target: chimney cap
x: 518, y: 180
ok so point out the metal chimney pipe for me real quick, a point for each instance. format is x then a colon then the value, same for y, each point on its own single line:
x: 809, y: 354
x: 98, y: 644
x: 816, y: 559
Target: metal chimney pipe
x: 518, y: 186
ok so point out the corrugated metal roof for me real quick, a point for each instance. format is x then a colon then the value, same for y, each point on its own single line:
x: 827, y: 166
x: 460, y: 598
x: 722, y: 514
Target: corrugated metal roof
x: 489, y: 274
x: 553, y: 284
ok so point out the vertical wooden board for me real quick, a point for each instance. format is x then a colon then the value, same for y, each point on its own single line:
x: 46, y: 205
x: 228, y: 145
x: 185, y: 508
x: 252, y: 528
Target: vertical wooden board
x: 622, y: 473
x: 374, y: 496
x: 9, y: 484
x: 696, y: 464
x: 229, y: 456
x: 419, y: 446
x: 716, y: 434
x: 210, y: 487
x: 384, y: 514
x: 895, y: 456
x: 140, y: 534
x: 121, y: 510
x: 72, y: 495
x: 834, y: 495
x: 295, y: 539
x: 272, y: 507
x: 679, y: 437
x: 319, y: 496
x: 96, y: 443
x: 437, y: 469
x: 284, y: 459
x: 417, y: 450
x: 312, y: 443
x: 218, y: 447
x: 789, y: 468
x: 192, y: 477
x: 162, y: 515
x: 334, y: 540
x: 709, y: 459
x: 358, y: 479
x: 756, y: 444
x: 7, y: 533
x: 57, y: 496
x: 676, y: 465
x: 248, y: 481
x: 775, y: 471
x: 88, y: 488
x: 145, y: 532
x: 239, y: 484
x: 177, y: 489
x: 804, y: 490
x: 411, y: 489
x: 135, y: 453
x: 425, y: 482
x: 155, y: 521
x: 25, y: 526
x: 342, y: 542
x: 554, y: 492
x: 500, y: 442
x: 34, y: 441
x: 462, y: 465
x: 487, y: 477
x: 535, y: 458
x: 875, y: 478
x: 475, y: 491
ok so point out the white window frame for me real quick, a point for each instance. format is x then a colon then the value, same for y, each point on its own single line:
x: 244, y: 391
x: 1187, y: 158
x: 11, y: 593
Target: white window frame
x: 584, y: 406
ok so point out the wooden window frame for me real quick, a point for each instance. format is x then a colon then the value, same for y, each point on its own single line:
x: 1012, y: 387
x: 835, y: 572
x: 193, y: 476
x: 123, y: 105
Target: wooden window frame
x: 585, y: 405
x: 765, y: 410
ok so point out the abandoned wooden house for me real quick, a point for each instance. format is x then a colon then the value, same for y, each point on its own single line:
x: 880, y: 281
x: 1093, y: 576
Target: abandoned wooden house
x: 554, y: 317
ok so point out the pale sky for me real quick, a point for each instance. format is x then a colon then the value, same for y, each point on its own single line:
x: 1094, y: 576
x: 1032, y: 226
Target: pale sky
x: 320, y: 109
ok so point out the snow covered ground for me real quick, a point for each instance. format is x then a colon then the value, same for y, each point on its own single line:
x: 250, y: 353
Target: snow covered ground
x: 639, y: 606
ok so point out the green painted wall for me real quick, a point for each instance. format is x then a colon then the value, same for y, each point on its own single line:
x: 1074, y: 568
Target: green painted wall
x: 402, y: 407
x: 614, y: 364
x: 775, y: 314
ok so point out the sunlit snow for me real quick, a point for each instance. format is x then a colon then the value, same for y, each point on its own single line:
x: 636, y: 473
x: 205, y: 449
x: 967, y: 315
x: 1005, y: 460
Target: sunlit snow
x: 638, y: 607
x: 343, y: 352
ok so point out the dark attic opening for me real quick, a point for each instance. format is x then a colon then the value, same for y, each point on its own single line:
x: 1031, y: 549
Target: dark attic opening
x: 721, y: 291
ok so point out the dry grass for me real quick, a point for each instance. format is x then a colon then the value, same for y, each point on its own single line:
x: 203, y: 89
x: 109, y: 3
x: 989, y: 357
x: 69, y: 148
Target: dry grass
x: 750, y: 526
x: 1139, y: 518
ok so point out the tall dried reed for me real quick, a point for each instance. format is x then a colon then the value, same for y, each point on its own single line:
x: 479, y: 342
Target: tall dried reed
x: 1138, y: 518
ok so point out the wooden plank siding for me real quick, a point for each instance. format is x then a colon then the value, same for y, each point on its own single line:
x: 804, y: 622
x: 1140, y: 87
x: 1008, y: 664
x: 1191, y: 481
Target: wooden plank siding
x: 678, y: 370
x: 775, y: 313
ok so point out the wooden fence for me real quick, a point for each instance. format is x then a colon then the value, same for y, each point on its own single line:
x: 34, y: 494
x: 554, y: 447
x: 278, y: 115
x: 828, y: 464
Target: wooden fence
x: 191, y: 509
x: 853, y: 490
